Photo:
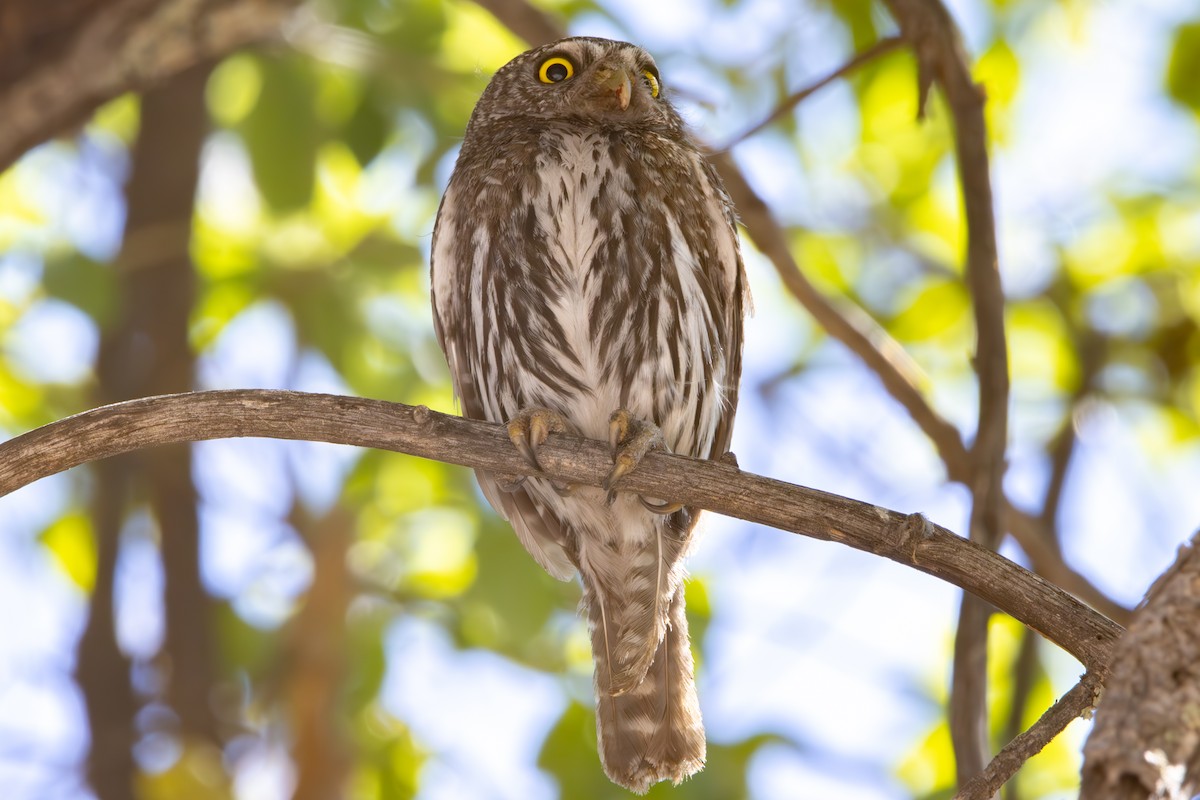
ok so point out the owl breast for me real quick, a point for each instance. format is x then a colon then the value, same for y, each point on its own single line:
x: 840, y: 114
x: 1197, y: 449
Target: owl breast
x: 585, y: 270
x: 629, y: 318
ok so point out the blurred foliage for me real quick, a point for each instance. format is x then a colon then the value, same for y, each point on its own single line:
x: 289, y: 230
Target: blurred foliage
x: 322, y: 177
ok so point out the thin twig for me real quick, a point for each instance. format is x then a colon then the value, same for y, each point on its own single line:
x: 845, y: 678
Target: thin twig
x: 1069, y: 707
x: 1025, y: 673
x: 905, y: 538
x: 1091, y: 347
x: 794, y: 99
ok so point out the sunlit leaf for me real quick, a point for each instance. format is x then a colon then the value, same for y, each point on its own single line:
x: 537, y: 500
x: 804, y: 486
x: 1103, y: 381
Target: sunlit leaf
x: 937, y: 308
x: 119, y: 117
x: 929, y: 771
x: 71, y: 542
x: 475, y: 41
x: 439, y: 558
x: 1040, y: 347
x: 829, y: 260
x: 234, y: 88
x: 22, y: 399
x: 999, y: 72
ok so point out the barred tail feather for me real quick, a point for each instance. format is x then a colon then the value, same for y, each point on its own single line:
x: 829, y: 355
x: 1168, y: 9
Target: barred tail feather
x: 631, y: 583
x: 653, y: 732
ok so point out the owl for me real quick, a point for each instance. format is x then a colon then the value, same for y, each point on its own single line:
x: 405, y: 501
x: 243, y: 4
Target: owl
x: 587, y: 277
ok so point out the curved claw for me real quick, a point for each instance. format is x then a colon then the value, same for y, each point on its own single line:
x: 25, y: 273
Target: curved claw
x: 660, y: 508
x: 631, y: 438
x: 622, y: 466
x: 521, y: 441
x: 530, y: 428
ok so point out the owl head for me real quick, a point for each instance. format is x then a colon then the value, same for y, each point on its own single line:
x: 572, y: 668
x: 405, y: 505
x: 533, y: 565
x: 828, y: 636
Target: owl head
x: 581, y: 79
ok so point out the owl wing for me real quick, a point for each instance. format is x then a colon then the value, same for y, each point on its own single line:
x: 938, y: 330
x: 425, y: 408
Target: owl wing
x: 540, y: 532
x: 733, y: 274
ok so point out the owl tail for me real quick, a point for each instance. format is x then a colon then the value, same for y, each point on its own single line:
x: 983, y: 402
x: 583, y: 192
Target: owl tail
x: 628, y: 586
x: 653, y: 731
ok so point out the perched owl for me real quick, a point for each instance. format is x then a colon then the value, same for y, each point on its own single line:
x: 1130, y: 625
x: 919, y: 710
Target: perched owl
x: 587, y: 278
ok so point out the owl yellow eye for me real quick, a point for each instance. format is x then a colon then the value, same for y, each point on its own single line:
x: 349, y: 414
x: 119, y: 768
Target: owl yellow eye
x: 652, y: 82
x: 555, y: 70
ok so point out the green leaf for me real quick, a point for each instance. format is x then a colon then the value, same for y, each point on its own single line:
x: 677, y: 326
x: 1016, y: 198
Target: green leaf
x: 512, y: 599
x: 367, y: 130
x: 1183, y: 70
x: 244, y: 648
x: 281, y: 134
x: 86, y: 284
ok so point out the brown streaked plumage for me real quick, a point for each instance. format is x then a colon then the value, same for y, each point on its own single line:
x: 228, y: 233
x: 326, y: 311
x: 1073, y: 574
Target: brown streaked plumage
x: 585, y: 260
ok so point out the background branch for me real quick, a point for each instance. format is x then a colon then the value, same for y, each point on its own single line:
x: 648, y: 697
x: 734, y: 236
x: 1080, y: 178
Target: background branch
x: 1069, y: 708
x: 794, y: 99
x: 908, y: 539
x: 61, y: 61
x: 934, y: 38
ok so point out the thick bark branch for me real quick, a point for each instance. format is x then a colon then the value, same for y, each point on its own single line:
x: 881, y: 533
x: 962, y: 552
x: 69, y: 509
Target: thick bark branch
x: 57, y: 68
x: 1146, y: 743
x: 905, y: 538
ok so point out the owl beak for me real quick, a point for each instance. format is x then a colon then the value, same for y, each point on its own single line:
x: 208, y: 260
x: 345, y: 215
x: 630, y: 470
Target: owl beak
x: 617, y: 82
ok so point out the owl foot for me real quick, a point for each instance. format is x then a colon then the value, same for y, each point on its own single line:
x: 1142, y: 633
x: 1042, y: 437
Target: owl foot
x: 527, y: 431
x: 631, y: 439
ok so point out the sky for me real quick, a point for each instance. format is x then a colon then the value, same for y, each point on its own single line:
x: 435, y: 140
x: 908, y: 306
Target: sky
x: 809, y: 638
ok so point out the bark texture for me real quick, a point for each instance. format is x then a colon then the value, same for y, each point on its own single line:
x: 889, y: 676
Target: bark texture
x: 61, y: 60
x: 905, y: 538
x: 1146, y: 743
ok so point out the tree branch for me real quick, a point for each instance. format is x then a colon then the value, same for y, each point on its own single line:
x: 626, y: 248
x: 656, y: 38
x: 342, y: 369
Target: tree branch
x: 1047, y: 561
x: 876, y: 50
x: 882, y: 354
x: 905, y: 538
x: 109, y: 47
x: 935, y: 40
x: 1069, y: 707
x: 901, y: 378
x: 1146, y: 742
